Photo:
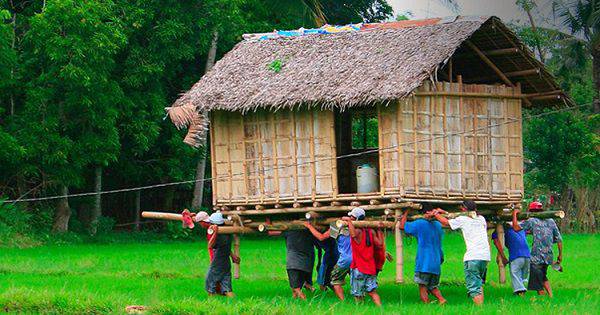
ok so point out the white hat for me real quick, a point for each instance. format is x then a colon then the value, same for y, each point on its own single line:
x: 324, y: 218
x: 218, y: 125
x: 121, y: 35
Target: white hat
x: 216, y: 218
x: 358, y: 213
x: 201, y: 216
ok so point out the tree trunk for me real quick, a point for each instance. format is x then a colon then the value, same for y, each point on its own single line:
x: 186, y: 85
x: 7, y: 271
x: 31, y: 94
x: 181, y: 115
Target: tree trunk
x: 62, y: 213
x: 97, y: 209
x: 534, y: 30
x: 138, y: 198
x: 201, y: 165
x: 596, y: 76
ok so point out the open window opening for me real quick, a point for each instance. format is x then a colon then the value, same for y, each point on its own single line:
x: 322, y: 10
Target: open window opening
x: 357, y: 131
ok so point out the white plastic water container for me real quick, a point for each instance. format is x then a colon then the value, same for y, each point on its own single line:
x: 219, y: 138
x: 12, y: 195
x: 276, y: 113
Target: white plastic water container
x: 366, y: 179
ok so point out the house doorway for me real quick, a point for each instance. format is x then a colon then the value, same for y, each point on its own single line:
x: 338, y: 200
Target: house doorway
x: 356, y: 131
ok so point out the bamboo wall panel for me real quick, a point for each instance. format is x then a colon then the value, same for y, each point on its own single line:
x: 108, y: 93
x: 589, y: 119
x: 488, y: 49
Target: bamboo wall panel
x: 265, y: 156
x: 456, y: 142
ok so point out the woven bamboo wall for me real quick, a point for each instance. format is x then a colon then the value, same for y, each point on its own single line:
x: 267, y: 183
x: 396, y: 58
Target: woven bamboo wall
x: 269, y: 157
x: 466, y: 158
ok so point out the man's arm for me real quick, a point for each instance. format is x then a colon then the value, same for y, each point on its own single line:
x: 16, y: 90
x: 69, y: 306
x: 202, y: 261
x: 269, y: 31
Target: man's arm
x: 515, y: 222
x: 437, y: 213
x: 354, y: 233
x: 500, y: 250
x: 560, y: 252
x: 404, y: 219
x: 235, y: 258
x: 318, y: 235
x: 378, y: 240
x: 213, y: 237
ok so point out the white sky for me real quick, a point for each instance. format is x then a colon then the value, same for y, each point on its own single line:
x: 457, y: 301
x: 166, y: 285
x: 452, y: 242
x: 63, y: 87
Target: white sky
x: 507, y: 10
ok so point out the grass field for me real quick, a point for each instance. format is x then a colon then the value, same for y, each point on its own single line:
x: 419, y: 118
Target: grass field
x: 169, y: 278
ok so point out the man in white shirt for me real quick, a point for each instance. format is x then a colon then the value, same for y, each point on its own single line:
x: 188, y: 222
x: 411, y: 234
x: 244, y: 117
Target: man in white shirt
x: 477, y: 256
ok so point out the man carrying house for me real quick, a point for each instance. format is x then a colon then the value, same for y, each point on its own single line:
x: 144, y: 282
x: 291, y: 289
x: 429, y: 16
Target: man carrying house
x: 342, y: 266
x: 218, y: 277
x: 518, y: 257
x: 300, y: 261
x: 477, y: 256
x: 545, y: 233
x: 363, y: 269
x: 429, y: 252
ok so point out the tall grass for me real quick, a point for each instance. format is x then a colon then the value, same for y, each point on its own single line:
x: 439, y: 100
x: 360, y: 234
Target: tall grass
x: 168, y: 278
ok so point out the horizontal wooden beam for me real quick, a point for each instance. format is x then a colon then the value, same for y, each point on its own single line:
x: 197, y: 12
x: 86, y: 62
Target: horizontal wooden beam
x: 534, y: 95
x: 502, y: 51
x: 403, y: 205
x: 513, y: 74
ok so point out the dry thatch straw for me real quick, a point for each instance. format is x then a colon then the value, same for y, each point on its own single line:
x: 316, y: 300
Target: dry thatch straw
x: 384, y: 62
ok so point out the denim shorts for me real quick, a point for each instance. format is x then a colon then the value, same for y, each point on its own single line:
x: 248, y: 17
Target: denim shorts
x: 361, y: 283
x: 475, y: 271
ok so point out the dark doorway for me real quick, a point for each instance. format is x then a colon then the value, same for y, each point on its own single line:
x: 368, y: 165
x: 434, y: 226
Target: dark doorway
x: 356, y: 131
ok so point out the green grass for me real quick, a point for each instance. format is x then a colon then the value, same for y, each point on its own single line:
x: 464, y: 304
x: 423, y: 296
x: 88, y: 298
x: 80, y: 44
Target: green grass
x: 169, y: 278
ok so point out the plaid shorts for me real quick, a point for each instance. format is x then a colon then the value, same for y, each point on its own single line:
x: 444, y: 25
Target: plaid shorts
x: 361, y: 283
x: 338, y: 275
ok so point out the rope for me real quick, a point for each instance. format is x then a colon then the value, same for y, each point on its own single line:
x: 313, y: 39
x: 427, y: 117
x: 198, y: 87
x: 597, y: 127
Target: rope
x: 385, y: 149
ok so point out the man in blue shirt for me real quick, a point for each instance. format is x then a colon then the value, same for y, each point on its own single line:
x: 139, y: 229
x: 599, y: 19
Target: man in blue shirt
x: 429, y: 252
x: 344, y: 255
x: 518, y: 257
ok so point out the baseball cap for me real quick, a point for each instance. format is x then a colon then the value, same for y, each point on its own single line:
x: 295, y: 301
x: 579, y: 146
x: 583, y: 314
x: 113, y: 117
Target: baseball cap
x: 358, y: 213
x: 216, y: 218
x: 201, y: 216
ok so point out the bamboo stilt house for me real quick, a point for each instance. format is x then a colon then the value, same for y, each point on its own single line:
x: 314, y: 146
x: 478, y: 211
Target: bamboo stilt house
x: 433, y: 106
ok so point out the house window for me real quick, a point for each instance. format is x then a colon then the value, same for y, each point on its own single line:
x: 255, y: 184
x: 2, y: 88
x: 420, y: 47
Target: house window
x: 365, y: 130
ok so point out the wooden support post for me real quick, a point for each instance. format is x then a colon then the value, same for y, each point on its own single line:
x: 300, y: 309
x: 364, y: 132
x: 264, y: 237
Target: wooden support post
x: 399, y: 251
x: 501, y: 267
x: 137, y: 209
x: 236, y: 251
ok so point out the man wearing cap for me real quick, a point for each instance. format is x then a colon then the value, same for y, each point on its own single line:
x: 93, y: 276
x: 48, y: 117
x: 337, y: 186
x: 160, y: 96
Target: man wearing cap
x: 518, y: 257
x: 341, y: 267
x: 203, y: 219
x: 299, y: 261
x: 219, y: 271
x: 429, y: 252
x: 477, y: 256
x: 363, y: 269
x: 545, y: 233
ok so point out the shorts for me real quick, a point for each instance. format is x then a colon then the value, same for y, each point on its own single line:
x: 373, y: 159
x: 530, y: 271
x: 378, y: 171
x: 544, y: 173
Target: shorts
x: 538, y: 274
x: 338, y: 275
x: 214, y: 280
x: 475, y: 271
x: 361, y: 283
x: 430, y: 280
x: 298, y: 278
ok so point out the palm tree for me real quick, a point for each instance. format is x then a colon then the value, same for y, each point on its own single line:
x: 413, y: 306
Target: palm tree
x: 582, y: 18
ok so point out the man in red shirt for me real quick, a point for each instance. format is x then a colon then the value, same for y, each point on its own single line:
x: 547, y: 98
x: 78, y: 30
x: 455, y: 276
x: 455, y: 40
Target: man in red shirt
x: 363, y: 274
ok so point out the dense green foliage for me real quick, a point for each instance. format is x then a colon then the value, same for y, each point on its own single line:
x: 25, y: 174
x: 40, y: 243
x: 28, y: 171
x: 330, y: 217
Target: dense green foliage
x: 84, y: 85
x: 169, y: 278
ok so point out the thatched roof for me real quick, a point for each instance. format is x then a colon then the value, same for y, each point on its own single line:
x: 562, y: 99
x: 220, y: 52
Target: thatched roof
x: 383, y: 62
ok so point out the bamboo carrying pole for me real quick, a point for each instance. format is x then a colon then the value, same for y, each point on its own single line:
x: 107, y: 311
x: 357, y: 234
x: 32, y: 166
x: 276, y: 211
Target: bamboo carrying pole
x: 162, y: 216
x: 505, y: 215
x: 399, y: 251
x: 232, y: 230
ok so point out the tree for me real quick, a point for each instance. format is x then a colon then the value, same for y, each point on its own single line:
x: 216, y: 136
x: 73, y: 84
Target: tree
x: 69, y: 115
x: 582, y: 18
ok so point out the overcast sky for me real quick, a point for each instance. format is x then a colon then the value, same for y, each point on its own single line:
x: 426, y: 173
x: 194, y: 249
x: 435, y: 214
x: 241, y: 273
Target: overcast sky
x: 507, y: 10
